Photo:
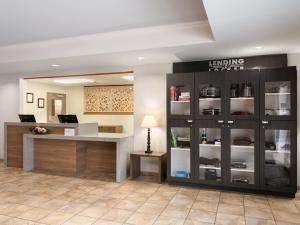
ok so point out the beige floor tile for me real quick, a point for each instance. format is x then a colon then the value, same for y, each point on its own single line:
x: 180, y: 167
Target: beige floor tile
x: 255, y: 201
x: 138, y: 196
x: 107, y: 202
x: 158, y: 202
x: 226, y: 219
x: 106, y: 222
x: 70, y: 195
x: 147, y: 190
x: 286, y: 217
x: 35, y: 201
x: 285, y: 223
x: 54, y: 204
x: 181, y: 202
x: 117, y: 215
x: 232, y: 198
x: 298, y: 206
x: 73, y: 207
x: 166, y: 220
x: 94, y: 211
x: 255, y: 221
x: 34, y: 214
x: 207, y: 195
x: 287, y: 205
x: 56, y: 218
x: 80, y: 220
x: 16, y: 221
x: 160, y: 197
x: 263, y: 213
x: 231, y: 209
x: 206, y: 206
x: 118, y: 194
x: 202, y: 216
x: 14, y: 210
x: 128, y: 205
x: 4, y: 218
x: 175, y: 212
x: 195, y: 222
x: 87, y: 199
x: 149, y: 208
x: 142, y: 219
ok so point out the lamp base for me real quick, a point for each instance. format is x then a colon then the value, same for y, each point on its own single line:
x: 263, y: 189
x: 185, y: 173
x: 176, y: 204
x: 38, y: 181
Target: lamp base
x: 148, y: 151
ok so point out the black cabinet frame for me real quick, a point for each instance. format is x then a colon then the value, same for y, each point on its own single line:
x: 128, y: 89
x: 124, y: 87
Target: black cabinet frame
x: 258, y: 122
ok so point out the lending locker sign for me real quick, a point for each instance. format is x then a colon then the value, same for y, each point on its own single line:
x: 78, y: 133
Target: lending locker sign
x: 226, y: 64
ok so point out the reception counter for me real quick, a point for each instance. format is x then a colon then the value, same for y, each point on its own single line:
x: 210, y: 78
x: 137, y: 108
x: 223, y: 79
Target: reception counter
x: 105, y: 153
x: 14, y: 131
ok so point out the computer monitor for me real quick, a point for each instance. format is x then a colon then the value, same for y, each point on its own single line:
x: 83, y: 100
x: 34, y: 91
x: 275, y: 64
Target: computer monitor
x: 67, y: 118
x: 27, y: 118
x: 72, y: 118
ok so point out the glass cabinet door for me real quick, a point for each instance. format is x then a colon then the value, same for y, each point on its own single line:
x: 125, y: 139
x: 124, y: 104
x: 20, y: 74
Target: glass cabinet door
x: 180, y: 95
x: 210, y: 92
x: 279, y: 96
x: 277, y: 157
x: 242, y: 156
x: 209, y: 156
x: 242, y: 94
x: 279, y: 154
x: 180, y: 150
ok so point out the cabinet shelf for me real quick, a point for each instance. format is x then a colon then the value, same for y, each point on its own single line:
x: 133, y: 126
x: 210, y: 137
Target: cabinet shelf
x: 232, y: 169
x: 242, y: 146
x: 180, y: 101
x: 180, y: 149
x: 275, y: 94
x: 278, y: 151
x: 242, y: 170
x: 243, y: 98
x: 210, y: 145
x: 209, y: 167
x: 209, y: 99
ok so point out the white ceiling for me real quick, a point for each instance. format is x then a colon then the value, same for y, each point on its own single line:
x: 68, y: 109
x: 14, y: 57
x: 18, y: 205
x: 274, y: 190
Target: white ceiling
x: 36, y: 20
x: 94, y: 34
x: 116, y: 79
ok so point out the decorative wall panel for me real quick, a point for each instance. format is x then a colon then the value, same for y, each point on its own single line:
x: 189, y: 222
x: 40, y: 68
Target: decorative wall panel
x: 108, y: 99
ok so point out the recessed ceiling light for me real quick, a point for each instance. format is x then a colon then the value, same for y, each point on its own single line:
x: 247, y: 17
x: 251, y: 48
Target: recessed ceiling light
x: 140, y: 58
x: 55, y: 65
x: 73, y: 81
x: 131, y: 78
x: 259, y: 47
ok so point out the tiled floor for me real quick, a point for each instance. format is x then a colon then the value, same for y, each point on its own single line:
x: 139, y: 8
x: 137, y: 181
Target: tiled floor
x: 33, y: 199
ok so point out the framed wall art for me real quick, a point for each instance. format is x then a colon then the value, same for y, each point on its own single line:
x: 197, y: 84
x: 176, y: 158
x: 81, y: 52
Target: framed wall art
x: 117, y: 99
x: 41, y: 103
x: 29, y: 97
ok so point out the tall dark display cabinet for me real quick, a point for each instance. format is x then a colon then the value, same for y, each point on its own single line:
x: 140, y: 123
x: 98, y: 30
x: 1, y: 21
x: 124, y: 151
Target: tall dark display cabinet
x: 233, y: 130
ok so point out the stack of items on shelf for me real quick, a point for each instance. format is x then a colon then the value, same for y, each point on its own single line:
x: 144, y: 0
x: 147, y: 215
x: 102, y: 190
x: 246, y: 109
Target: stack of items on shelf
x: 178, y: 95
x: 184, y: 97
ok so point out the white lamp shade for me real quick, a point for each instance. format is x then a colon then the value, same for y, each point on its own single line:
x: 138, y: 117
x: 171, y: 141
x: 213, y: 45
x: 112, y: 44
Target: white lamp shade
x: 149, y: 121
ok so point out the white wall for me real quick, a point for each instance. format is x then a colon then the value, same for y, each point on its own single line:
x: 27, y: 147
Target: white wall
x: 39, y: 90
x: 150, y: 98
x: 9, y: 104
x: 294, y: 60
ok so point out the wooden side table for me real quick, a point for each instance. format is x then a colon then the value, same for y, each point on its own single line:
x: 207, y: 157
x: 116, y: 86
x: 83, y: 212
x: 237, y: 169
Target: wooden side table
x: 135, y: 163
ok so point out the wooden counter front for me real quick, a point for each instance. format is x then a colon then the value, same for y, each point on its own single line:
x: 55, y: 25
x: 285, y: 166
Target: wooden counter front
x: 14, y: 132
x: 74, y: 157
x: 104, y: 155
x: 14, y: 143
